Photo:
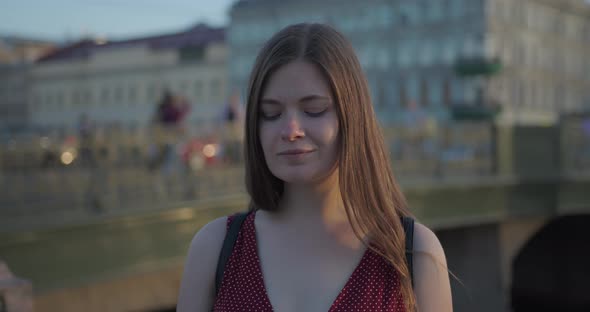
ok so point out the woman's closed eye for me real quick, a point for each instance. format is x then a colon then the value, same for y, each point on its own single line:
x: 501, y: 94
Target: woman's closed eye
x: 312, y: 112
x: 315, y: 112
x: 270, y: 115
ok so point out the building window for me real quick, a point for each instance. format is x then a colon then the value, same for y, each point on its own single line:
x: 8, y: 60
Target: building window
x: 456, y: 8
x: 48, y: 99
x: 435, y: 92
x: 386, y: 16
x: 408, y: 14
x: 58, y: 105
x: 152, y: 92
x: 215, y: 89
x: 530, y: 94
x: 59, y: 97
x: 542, y: 96
x: 198, y: 92
x: 182, y: 86
x: 426, y: 53
x: 448, y: 51
x: 435, y: 11
x: 87, y: 97
x: 457, y: 92
x: 37, y: 100
x: 521, y: 99
x: 403, y: 96
x: 363, y: 57
x: 383, y: 59
x: 381, y: 94
x: 118, y: 96
x: 413, y: 86
x: 403, y: 55
x: 530, y: 12
x: 192, y: 54
x: 132, y: 93
x: 424, y: 93
x: 75, y: 98
x: 105, y: 95
x: 447, y: 92
x: 546, y: 95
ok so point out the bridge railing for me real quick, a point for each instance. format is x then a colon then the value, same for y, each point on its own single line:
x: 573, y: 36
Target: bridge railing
x: 110, y: 147
x: 53, y: 197
x: 130, y: 171
x: 452, y: 150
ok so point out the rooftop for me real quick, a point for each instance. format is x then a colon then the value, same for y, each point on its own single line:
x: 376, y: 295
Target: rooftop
x: 196, y: 36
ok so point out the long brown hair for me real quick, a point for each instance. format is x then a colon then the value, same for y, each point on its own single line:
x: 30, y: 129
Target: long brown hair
x: 372, y: 199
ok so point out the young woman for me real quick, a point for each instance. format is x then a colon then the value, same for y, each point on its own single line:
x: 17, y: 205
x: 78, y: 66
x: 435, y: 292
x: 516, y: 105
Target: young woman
x: 324, y: 231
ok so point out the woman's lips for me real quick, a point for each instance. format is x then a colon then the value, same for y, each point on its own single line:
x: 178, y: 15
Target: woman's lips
x: 296, y: 156
x: 293, y: 152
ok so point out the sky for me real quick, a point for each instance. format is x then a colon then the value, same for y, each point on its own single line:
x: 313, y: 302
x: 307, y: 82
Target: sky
x: 114, y: 19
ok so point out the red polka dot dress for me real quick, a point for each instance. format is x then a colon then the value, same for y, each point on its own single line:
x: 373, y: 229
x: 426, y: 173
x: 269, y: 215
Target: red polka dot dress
x: 373, y: 286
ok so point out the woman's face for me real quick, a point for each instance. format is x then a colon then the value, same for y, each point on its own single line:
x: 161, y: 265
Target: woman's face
x: 299, y: 124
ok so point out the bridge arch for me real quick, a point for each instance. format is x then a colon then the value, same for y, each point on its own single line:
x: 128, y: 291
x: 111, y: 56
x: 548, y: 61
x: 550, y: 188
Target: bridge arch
x: 552, y: 270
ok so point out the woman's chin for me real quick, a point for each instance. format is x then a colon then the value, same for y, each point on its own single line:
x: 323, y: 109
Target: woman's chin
x: 297, y: 179
x: 302, y: 177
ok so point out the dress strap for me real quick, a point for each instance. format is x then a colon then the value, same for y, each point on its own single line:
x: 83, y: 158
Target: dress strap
x: 408, y: 224
x: 234, y: 226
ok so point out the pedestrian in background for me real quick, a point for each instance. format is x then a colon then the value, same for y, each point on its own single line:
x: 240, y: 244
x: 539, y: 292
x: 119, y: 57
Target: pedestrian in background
x: 169, y: 132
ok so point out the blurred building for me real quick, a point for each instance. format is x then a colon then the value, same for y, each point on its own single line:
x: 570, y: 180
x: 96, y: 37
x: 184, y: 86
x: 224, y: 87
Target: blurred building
x: 545, y: 48
x: 16, y: 55
x: 450, y: 57
x: 16, y: 50
x: 13, y: 97
x: 121, y: 82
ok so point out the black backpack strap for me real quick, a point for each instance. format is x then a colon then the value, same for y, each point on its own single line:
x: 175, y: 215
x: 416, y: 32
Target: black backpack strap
x: 408, y: 224
x: 228, y: 246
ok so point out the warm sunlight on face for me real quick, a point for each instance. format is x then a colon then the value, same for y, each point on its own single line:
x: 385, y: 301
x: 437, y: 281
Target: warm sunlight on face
x: 299, y: 124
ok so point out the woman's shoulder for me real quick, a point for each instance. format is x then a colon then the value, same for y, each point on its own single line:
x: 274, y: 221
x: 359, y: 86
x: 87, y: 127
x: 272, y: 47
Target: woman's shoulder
x: 205, y: 247
x: 431, y: 278
x: 198, y: 279
x: 210, y: 236
x: 425, y: 240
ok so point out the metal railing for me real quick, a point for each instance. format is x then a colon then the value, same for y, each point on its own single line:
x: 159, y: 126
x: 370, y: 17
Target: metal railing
x: 121, y: 177
x: 461, y: 149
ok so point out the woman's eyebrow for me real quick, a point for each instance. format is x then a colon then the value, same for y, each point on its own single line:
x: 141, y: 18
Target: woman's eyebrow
x: 314, y: 97
x: 307, y: 98
x: 270, y: 101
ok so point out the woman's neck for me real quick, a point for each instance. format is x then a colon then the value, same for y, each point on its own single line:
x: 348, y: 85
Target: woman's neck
x: 316, y: 209
x: 311, y: 200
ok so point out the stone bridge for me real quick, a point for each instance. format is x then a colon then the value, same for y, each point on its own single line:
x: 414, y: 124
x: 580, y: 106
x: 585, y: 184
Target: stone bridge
x: 515, y: 237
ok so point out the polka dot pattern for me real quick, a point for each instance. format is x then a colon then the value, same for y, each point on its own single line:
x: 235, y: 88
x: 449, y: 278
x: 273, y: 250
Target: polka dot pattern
x: 373, y: 286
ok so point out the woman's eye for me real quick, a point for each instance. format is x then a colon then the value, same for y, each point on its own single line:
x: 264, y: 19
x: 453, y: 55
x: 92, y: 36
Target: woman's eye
x: 315, y: 112
x: 270, y: 116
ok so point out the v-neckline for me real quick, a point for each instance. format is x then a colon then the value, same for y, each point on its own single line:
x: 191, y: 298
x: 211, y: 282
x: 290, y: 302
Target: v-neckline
x: 338, y: 298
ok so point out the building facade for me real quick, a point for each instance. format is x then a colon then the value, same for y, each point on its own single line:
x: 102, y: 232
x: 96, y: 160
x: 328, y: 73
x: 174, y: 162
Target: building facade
x: 121, y: 82
x: 545, y: 48
x: 411, y: 51
x: 16, y: 56
x: 13, y: 97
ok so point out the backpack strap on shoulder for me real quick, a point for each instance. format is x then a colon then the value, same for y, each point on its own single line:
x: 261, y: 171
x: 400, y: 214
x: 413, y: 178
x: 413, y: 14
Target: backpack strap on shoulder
x: 408, y: 224
x: 228, y: 246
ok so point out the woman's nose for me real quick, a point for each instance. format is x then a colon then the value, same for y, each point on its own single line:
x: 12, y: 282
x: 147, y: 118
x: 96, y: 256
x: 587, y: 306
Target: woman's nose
x: 292, y: 129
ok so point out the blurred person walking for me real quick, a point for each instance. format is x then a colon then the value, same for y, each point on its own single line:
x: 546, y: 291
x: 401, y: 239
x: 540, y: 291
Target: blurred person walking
x: 233, y: 124
x: 169, y: 130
